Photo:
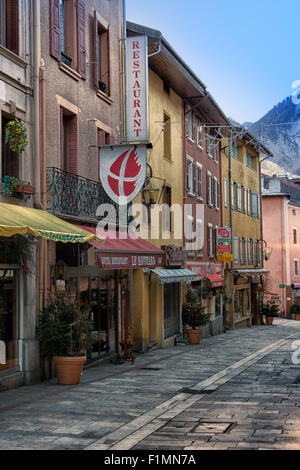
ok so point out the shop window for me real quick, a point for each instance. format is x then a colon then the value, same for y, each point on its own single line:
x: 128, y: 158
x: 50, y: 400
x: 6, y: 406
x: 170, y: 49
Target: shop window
x: 10, y: 160
x: 101, y: 55
x: 167, y: 136
x: 67, y: 33
x: 8, y: 317
x: 238, y: 303
x: 69, y: 142
x: 9, y: 25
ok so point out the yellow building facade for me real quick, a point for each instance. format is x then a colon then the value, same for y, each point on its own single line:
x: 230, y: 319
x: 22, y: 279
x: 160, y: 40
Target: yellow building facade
x: 241, y: 211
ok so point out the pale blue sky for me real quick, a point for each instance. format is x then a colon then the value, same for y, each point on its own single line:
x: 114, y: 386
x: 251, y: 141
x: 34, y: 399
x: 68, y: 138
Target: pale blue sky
x: 247, y: 52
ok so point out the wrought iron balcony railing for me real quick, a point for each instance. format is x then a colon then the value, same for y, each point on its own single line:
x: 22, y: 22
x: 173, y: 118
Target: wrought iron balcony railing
x: 69, y: 194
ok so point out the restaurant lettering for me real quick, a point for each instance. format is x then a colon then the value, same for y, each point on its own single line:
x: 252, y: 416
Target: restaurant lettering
x: 137, y: 89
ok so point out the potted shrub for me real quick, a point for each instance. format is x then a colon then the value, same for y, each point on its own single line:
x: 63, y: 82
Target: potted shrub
x: 65, y: 333
x: 193, y: 316
x: 295, y: 310
x: 270, y: 310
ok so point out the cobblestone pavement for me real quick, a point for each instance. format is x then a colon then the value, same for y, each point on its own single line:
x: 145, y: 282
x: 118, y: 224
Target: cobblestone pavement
x: 239, y: 390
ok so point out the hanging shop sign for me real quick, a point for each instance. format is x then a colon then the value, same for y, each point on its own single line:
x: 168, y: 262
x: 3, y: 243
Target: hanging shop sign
x: 127, y: 261
x: 137, y: 89
x: 225, y: 257
x: 123, y: 171
x: 224, y: 242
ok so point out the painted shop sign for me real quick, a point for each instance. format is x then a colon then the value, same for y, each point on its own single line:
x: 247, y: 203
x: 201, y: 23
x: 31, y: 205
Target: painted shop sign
x: 125, y: 261
x: 137, y: 89
x: 224, y: 235
x: 123, y: 171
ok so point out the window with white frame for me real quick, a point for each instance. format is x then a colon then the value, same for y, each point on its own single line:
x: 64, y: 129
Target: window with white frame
x: 209, y: 188
x: 225, y: 191
x: 249, y: 251
x: 249, y: 202
x: 199, y: 133
x: 190, y: 125
x: 246, y: 250
x: 239, y: 197
x: 236, y: 250
x: 245, y: 200
x: 189, y: 244
x: 241, y: 251
x: 190, y: 175
x: 254, y: 204
x: 199, y: 182
x: 254, y: 246
x: 216, y: 193
x: 259, y: 253
x: 234, y: 150
x: 200, y: 236
x: 232, y: 195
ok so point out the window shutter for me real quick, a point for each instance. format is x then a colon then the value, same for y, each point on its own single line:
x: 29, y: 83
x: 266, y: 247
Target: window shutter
x: 194, y: 178
x: 207, y: 187
x: 110, y: 140
x: 54, y: 29
x: 11, y: 163
x: 72, y: 146
x: 104, y: 54
x: 208, y: 241
x: 101, y: 137
x: 81, y: 49
x: 214, y: 244
x: 12, y: 26
x: 96, y: 54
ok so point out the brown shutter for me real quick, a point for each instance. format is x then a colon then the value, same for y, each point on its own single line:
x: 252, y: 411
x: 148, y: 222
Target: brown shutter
x: 104, y: 54
x: 81, y: 49
x: 72, y: 146
x: 96, y: 65
x: 110, y: 140
x: 101, y: 137
x: 54, y: 29
x: 12, y: 26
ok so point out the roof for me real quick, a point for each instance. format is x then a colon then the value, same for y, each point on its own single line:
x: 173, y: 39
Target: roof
x: 168, y: 65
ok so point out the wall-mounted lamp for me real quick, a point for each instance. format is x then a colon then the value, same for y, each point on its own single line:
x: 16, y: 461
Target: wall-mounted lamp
x: 150, y: 191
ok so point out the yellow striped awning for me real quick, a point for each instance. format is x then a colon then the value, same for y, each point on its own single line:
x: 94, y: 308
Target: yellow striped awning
x: 21, y: 220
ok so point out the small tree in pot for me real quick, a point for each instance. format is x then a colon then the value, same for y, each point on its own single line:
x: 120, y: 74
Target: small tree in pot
x: 65, y: 333
x: 193, y: 316
x: 270, y: 310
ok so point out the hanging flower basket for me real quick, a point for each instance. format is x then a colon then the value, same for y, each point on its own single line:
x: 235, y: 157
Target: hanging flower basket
x: 16, y: 136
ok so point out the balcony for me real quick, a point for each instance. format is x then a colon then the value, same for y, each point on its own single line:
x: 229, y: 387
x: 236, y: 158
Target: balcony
x: 71, y: 195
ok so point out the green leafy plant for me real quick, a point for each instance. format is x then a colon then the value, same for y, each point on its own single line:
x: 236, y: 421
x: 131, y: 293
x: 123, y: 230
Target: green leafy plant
x: 271, y: 309
x: 16, y: 136
x: 64, y: 328
x: 193, y: 313
x: 10, y: 185
x: 15, y: 250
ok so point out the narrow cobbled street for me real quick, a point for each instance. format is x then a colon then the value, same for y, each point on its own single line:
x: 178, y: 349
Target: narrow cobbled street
x: 239, y: 390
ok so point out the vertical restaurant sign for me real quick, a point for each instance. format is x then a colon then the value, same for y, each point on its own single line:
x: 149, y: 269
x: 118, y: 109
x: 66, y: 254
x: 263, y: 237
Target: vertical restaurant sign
x: 224, y: 240
x: 137, y: 89
x: 123, y: 171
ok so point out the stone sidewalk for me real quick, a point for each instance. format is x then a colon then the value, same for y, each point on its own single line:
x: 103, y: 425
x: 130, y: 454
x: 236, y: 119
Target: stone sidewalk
x: 237, y: 390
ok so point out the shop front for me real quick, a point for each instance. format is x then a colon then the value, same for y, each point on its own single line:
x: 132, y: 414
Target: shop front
x: 20, y: 229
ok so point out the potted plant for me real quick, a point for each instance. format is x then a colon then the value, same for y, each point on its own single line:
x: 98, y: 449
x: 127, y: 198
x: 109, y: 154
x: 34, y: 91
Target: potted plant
x: 271, y: 310
x: 65, y: 333
x: 193, y: 316
x: 16, y: 136
x: 295, y: 310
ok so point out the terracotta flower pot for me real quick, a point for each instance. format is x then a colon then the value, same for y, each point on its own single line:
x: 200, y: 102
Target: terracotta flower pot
x: 194, y: 336
x: 69, y: 369
x: 269, y: 320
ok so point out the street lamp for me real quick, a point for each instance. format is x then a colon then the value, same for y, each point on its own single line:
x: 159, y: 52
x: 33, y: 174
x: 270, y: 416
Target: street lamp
x: 151, y: 191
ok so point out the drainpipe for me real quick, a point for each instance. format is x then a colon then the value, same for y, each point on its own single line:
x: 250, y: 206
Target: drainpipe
x: 36, y: 90
x: 43, y: 171
x: 230, y: 221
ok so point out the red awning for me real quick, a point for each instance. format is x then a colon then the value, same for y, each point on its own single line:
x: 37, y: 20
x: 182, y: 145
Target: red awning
x: 124, y: 250
x: 215, y: 279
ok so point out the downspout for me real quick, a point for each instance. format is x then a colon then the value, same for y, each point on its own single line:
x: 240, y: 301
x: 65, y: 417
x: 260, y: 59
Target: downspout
x: 230, y: 221
x: 43, y: 171
x: 36, y: 144
x: 123, y: 68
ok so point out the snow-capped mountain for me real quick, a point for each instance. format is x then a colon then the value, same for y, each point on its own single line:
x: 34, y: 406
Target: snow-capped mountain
x: 279, y: 130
